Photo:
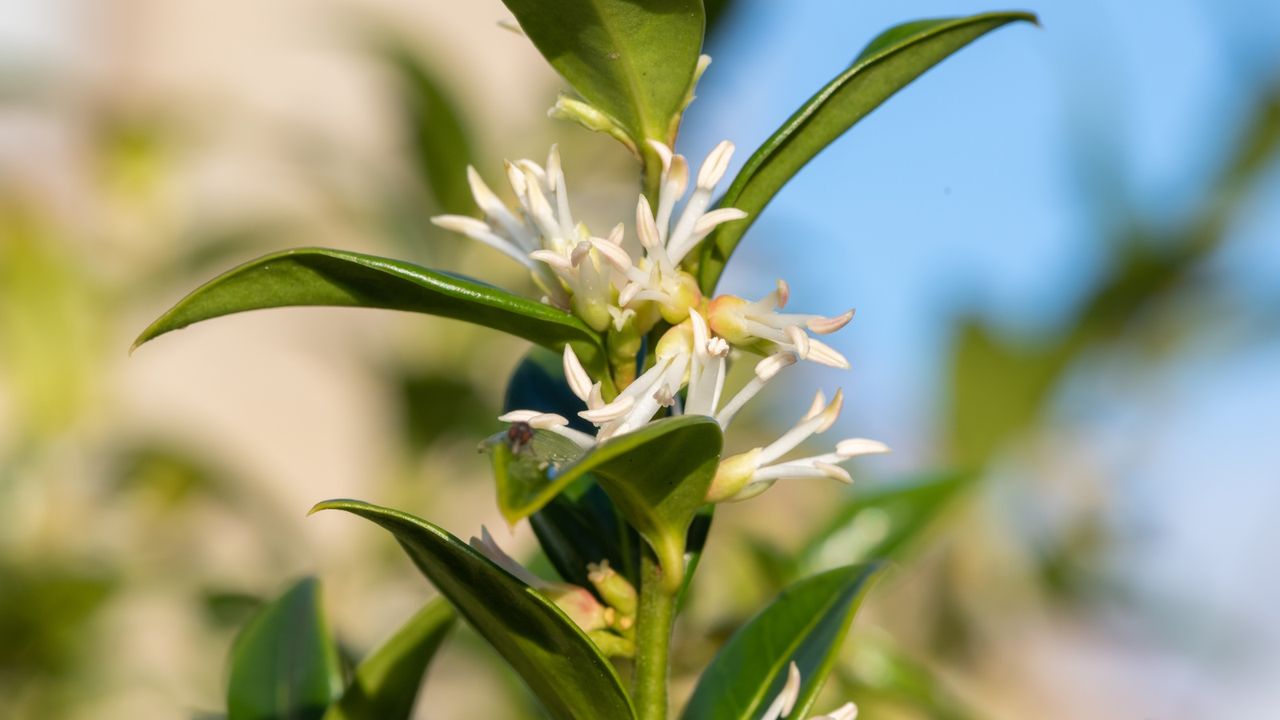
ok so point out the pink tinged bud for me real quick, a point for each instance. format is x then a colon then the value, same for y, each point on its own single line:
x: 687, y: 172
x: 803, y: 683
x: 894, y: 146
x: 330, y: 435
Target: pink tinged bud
x: 580, y: 605
x: 826, y: 326
x: 732, y: 475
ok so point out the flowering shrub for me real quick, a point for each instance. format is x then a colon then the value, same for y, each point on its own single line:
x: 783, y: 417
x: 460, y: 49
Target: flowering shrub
x: 621, y: 483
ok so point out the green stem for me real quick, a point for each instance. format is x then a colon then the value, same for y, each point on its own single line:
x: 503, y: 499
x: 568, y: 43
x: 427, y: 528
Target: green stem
x: 656, y: 612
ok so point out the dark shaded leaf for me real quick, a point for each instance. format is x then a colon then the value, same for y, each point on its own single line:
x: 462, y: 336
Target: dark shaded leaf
x: 284, y: 663
x: 557, y: 661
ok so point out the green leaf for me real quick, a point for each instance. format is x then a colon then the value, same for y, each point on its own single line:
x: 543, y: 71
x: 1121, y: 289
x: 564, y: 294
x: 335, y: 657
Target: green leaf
x: 556, y: 660
x: 386, y: 683
x: 579, y: 528
x: 524, y: 475
x: 891, y: 62
x: 880, y: 673
x: 284, y: 663
x: 880, y: 524
x: 580, y: 525
x: 316, y: 276
x: 634, y: 61
x: 805, y: 624
x: 433, y: 125
x: 657, y: 476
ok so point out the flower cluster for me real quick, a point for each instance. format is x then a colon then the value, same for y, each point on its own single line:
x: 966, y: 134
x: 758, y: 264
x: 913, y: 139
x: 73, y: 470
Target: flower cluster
x: 601, y: 282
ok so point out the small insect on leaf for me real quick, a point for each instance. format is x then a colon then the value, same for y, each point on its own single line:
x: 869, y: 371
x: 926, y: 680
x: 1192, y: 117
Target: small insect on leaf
x: 519, y: 435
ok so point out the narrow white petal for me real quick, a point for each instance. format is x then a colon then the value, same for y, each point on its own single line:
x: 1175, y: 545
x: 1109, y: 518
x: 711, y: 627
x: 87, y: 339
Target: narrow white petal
x: 860, y: 446
x: 798, y: 339
x: 606, y: 413
x: 579, y: 380
x: 824, y: 354
x: 826, y: 326
x: 708, y: 222
x: 714, y: 167
x: 786, y: 700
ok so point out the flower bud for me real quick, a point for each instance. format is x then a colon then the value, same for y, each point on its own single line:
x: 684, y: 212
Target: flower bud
x: 615, y: 589
x: 611, y: 645
x: 685, y: 296
x: 732, y: 475
x: 579, y: 604
x: 589, y: 117
x: 726, y: 318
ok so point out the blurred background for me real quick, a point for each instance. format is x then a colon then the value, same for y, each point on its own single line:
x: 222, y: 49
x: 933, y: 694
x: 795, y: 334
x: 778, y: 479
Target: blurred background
x: 1062, y: 244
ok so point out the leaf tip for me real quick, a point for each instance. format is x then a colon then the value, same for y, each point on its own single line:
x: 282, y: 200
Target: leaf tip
x: 338, y: 504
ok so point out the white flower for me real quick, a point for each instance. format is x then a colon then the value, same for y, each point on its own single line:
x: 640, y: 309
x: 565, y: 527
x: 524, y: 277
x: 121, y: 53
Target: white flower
x: 744, y: 323
x: 750, y: 473
x: 596, y: 277
x: 786, y: 701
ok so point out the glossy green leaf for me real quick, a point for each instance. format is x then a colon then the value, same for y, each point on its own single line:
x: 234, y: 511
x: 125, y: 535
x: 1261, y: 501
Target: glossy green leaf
x: 525, y: 472
x: 386, y: 683
x: 891, y: 62
x: 805, y: 624
x: 556, y: 660
x: 633, y: 61
x: 579, y: 528
x: 316, y: 276
x: 657, y: 476
x: 880, y: 523
x: 284, y: 663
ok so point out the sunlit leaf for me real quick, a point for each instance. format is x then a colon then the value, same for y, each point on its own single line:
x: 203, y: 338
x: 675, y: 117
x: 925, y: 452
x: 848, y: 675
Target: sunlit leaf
x: 633, y: 61
x: 805, y: 624
x: 386, y: 683
x: 657, y: 476
x: 284, y: 664
x: 891, y: 62
x: 314, y: 276
x: 556, y: 660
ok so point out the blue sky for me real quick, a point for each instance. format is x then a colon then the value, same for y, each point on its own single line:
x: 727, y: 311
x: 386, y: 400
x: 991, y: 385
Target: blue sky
x: 980, y: 187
